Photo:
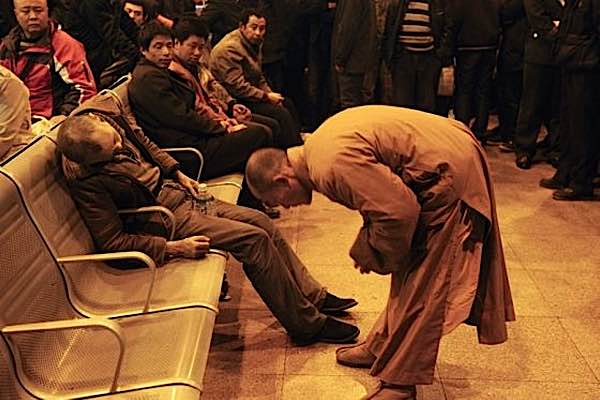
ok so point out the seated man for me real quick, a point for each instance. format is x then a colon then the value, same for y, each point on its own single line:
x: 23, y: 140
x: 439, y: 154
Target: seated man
x: 111, y: 165
x: 236, y: 62
x: 51, y: 63
x: 15, y: 114
x: 174, y: 109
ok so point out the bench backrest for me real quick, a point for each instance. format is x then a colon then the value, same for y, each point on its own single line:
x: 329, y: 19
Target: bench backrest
x: 32, y: 290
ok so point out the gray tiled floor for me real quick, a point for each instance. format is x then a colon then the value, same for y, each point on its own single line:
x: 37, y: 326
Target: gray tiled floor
x: 553, y: 256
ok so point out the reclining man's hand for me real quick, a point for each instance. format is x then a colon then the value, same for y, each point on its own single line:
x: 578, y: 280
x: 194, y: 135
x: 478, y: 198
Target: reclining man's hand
x: 190, y: 247
x: 191, y: 185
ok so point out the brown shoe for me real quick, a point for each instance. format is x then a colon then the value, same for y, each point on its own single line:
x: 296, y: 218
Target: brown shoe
x: 386, y: 391
x: 357, y: 356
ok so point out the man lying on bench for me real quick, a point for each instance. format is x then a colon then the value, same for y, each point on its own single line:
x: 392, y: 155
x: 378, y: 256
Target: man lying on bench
x: 111, y: 165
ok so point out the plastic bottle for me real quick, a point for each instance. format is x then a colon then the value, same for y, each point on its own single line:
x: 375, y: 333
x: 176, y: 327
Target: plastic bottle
x: 205, y: 200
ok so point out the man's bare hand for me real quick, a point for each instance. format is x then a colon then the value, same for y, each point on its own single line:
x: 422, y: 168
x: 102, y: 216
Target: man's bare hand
x: 274, y: 98
x: 363, y: 270
x: 339, y: 68
x: 191, y: 185
x: 241, y: 112
x: 190, y: 247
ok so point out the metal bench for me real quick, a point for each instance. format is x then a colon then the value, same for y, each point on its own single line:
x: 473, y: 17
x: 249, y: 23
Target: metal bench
x: 50, y: 350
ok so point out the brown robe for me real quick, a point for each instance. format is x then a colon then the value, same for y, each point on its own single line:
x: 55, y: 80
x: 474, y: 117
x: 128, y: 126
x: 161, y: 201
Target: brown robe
x: 422, y: 185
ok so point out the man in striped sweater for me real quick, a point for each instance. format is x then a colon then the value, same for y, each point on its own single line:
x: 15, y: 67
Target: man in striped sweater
x: 416, y: 46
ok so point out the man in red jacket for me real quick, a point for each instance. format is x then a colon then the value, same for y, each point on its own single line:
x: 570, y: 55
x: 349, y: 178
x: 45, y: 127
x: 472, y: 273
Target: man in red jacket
x: 51, y: 63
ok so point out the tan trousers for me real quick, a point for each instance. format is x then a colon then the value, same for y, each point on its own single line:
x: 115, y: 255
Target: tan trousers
x: 277, y: 274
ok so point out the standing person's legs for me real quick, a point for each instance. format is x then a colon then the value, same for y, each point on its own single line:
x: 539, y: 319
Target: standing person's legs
x: 429, y: 68
x: 510, y: 85
x: 351, y: 89
x: 228, y: 153
x: 404, y: 77
x: 529, y: 120
x: 580, y: 160
x: 466, y: 72
x: 483, y: 91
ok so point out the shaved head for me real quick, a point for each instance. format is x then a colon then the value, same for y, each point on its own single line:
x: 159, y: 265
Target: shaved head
x: 272, y: 179
x: 261, y: 168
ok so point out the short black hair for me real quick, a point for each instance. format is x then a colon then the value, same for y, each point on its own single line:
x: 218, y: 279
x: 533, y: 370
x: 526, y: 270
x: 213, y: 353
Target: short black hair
x: 149, y: 7
x: 248, y: 12
x: 187, y: 26
x: 149, y: 31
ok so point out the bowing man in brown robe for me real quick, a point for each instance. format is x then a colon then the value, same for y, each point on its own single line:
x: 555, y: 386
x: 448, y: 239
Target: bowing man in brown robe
x: 422, y: 185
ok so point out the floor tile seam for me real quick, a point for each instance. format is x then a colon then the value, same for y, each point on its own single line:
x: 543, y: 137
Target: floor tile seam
x: 442, y: 379
x: 576, y: 270
x: 579, y: 351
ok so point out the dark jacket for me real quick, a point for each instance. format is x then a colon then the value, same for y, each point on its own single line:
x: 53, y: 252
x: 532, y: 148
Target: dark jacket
x: 99, y: 193
x: 579, y: 36
x: 541, y: 39
x: 237, y: 65
x: 353, y: 42
x: 223, y: 16
x: 477, y: 24
x: 514, y: 32
x: 164, y: 106
x: 106, y: 31
x: 441, y: 26
x: 54, y: 69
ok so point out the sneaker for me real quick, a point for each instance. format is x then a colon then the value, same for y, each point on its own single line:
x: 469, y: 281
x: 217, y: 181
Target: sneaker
x: 333, y: 331
x: 334, y: 304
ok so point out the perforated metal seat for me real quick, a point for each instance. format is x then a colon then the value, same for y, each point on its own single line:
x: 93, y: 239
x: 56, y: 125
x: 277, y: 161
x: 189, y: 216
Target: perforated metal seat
x: 56, y: 352
x: 95, y: 288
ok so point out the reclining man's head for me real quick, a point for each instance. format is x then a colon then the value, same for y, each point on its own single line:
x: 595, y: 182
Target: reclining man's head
x: 272, y: 179
x: 156, y: 43
x: 88, y: 139
x: 191, y: 36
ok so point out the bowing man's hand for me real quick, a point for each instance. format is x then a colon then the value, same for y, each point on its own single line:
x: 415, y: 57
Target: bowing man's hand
x: 363, y: 270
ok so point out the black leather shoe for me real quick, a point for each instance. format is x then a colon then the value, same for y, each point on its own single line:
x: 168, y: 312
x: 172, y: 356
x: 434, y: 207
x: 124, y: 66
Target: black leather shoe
x: 333, y: 331
x: 336, y: 331
x: 570, y: 194
x: 551, y: 183
x: 334, y: 304
x: 523, y: 161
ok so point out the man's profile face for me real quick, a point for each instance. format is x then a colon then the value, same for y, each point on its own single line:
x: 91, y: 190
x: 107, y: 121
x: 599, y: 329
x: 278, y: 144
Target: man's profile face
x: 108, y: 140
x: 32, y: 16
x: 159, y: 51
x: 189, y: 50
x: 254, y: 31
x: 135, y: 12
x: 288, y: 194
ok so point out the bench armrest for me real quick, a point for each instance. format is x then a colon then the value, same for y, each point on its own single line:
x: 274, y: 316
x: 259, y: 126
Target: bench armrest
x: 101, y: 323
x: 191, y: 150
x: 123, y: 255
x: 224, y: 183
x: 154, y: 209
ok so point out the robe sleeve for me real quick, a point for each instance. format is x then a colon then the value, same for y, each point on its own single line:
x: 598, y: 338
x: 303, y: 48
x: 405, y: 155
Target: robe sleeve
x: 389, y: 208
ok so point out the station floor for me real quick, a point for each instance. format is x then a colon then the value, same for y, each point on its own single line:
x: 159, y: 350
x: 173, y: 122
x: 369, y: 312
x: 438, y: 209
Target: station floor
x: 553, y: 352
